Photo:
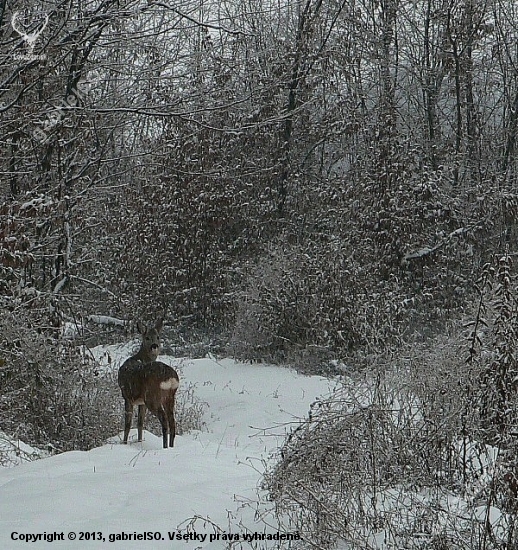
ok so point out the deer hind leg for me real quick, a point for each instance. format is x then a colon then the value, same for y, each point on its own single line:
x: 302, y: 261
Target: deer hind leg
x: 141, y: 416
x: 171, y: 421
x: 128, y: 415
x: 162, y: 416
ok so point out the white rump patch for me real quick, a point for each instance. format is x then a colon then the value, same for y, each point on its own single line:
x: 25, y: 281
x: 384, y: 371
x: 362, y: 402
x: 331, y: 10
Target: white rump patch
x: 170, y: 384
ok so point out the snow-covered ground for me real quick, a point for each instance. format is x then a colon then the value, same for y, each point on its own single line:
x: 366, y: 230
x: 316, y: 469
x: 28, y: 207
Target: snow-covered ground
x: 142, y: 490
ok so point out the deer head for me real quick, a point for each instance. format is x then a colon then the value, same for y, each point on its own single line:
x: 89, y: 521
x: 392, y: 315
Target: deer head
x: 150, y: 345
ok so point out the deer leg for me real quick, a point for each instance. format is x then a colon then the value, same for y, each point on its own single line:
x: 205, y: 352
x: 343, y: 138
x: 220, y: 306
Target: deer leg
x: 141, y: 416
x: 128, y: 415
x: 161, y: 415
x: 172, y: 422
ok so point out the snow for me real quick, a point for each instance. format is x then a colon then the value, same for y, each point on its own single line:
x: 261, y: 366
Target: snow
x: 107, y: 320
x: 207, y: 484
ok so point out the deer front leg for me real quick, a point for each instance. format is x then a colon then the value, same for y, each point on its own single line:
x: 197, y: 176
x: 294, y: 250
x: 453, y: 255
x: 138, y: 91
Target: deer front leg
x: 141, y: 416
x: 128, y: 415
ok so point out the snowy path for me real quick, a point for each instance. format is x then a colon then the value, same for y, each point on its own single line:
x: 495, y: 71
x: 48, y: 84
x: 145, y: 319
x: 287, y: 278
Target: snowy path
x: 143, y: 489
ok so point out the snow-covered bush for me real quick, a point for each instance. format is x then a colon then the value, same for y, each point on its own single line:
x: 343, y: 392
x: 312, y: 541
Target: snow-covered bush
x: 304, y: 303
x: 189, y: 410
x: 398, y: 459
x: 50, y: 395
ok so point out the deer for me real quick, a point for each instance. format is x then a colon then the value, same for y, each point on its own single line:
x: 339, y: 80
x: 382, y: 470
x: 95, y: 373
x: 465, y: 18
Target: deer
x: 149, y: 384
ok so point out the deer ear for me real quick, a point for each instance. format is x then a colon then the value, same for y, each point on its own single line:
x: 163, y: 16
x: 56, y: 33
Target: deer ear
x: 140, y: 327
x: 159, y: 324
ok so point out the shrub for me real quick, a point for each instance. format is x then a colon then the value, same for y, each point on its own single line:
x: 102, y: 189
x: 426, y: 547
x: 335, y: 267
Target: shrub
x: 397, y: 459
x: 50, y: 395
x: 313, y: 301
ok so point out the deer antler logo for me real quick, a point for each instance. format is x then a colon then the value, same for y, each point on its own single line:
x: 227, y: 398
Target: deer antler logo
x: 29, y: 38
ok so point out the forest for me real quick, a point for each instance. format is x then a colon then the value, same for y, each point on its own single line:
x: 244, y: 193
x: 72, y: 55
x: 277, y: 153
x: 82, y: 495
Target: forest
x: 302, y: 182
